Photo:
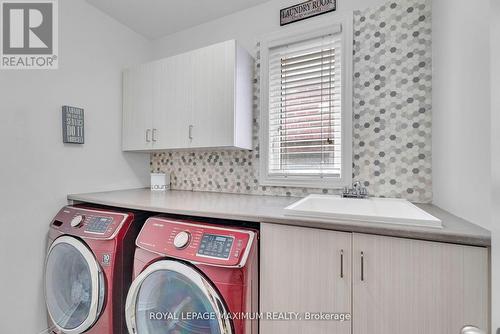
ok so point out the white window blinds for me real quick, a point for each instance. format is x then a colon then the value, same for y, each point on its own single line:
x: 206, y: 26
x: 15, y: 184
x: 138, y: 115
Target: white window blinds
x: 305, y: 108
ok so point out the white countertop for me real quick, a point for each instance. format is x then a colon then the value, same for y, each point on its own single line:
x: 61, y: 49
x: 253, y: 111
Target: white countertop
x: 270, y: 209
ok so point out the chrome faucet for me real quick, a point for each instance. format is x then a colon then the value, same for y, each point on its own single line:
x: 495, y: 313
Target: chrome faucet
x: 357, y: 191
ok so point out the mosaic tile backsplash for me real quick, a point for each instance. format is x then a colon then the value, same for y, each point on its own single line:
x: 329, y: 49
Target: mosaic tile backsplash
x: 391, y: 116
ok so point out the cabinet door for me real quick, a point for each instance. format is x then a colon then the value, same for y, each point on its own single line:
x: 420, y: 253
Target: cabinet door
x: 173, y: 96
x: 417, y: 287
x: 137, y: 108
x: 304, y: 270
x: 213, y: 84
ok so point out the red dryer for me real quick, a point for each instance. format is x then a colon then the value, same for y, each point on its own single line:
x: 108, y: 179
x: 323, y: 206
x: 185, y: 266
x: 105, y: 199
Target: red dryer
x: 194, y: 278
x: 88, y: 269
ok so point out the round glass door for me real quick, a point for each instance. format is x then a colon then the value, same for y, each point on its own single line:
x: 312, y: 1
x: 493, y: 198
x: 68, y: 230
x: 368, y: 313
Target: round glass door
x: 73, y: 285
x: 172, y: 298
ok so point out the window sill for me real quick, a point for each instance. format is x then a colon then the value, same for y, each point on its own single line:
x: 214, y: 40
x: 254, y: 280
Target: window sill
x: 302, y: 182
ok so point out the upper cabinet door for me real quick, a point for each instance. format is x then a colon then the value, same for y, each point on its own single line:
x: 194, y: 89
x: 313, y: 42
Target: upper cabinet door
x: 417, y: 287
x: 213, y: 85
x: 137, y: 108
x: 198, y: 99
x: 173, y: 99
x: 304, y: 270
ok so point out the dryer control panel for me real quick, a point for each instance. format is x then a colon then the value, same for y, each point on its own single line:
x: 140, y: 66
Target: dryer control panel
x: 196, y: 242
x: 95, y: 224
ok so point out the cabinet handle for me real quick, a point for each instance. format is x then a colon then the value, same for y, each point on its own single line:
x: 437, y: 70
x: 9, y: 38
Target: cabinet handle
x: 362, y: 266
x: 191, y: 132
x: 154, y: 135
x: 148, y: 132
x: 341, y: 263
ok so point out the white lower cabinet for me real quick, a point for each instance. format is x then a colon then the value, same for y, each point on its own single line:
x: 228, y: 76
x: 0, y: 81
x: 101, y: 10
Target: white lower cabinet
x: 417, y: 287
x: 397, y: 285
x: 304, y: 270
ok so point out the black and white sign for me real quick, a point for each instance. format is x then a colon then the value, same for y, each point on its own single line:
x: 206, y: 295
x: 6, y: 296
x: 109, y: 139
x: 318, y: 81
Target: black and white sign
x: 73, y: 125
x: 306, y: 10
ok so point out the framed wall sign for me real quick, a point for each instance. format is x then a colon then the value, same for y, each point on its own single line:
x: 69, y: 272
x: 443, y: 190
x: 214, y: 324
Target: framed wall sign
x: 306, y: 10
x: 73, y: 125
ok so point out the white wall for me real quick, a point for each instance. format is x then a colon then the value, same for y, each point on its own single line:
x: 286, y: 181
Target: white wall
x: 245, y: 26
x: 461, y: 104
x: 495, y: 159
x: 37, y: 171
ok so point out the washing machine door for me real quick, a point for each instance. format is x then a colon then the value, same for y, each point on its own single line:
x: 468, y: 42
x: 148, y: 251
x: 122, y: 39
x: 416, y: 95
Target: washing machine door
x: 74, y: 286
x: 170, y: 297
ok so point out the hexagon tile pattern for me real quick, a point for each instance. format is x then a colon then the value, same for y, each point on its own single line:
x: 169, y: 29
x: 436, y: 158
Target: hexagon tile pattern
x: 392, y: 116
x: 392, y: 100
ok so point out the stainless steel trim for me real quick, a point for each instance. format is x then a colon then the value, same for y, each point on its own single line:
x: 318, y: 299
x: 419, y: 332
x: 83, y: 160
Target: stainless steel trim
x: 244, y: 258
x: 194, y: 276
x: 362, y: 266
x: 96, y: 277
x: 148, y: 131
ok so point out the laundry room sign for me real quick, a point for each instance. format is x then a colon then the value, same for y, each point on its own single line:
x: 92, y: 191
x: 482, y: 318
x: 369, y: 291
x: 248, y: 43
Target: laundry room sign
x: 306, y: 10
x: 73, y: 125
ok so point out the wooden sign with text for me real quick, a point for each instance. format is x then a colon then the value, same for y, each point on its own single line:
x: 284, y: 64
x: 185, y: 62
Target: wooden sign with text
x: 306, y: 10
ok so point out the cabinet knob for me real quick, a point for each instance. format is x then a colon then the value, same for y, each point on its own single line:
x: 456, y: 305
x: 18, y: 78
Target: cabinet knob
x: 148, y: 137
x: 154, y: 135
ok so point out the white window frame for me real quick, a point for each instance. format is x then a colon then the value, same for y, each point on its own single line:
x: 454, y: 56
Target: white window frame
x: 303, y: 31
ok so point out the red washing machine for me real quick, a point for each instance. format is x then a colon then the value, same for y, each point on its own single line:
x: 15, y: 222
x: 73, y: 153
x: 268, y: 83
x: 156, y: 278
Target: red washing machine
x: 88, y: 269
x: 193, y: 278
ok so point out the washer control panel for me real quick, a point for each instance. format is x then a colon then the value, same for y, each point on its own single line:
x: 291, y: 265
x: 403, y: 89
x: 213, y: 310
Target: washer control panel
x: 98, y: 225
x: 218, y: 246
x: 197, y: 242
x: 95, y: 224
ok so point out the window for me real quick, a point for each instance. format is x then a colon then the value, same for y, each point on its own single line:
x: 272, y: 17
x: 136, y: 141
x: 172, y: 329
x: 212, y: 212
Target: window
x: 306, y: 99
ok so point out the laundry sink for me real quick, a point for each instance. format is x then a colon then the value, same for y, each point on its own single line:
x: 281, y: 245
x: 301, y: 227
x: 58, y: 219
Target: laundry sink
x: 375, y: 210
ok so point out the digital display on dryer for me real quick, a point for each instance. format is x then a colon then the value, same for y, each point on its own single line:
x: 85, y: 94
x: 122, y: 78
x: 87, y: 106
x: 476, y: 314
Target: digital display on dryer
x: 217, y: 246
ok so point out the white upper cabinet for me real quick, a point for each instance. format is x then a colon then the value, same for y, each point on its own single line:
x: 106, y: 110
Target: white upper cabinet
x: 199, y: 99
x: 172, y: 111
x: 138, y: 108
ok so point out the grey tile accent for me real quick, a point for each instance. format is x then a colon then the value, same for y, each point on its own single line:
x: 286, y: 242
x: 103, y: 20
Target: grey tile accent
x: 392, y: 100
x: 392, y: 116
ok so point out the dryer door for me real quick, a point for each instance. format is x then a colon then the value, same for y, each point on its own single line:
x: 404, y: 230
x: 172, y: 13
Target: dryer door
x: 74, y: 286
x: 170, y: 297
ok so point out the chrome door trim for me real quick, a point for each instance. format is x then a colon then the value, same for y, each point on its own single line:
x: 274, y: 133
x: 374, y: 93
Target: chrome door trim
x: 194, y: 276
x: 96, y: 276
